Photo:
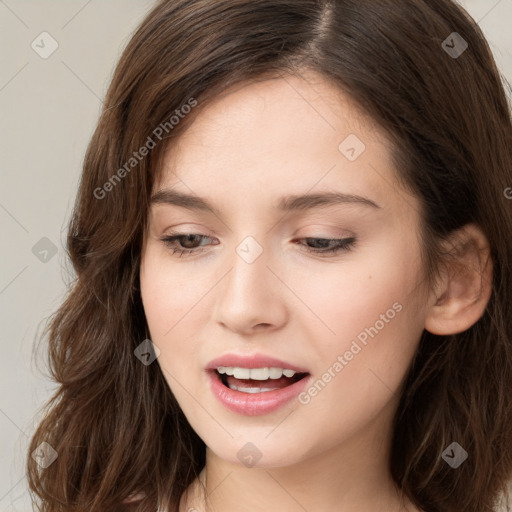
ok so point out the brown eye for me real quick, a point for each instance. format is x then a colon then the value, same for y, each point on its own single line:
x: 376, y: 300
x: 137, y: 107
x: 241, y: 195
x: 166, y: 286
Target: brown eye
x: 187, y: 242
x: 329, y: 245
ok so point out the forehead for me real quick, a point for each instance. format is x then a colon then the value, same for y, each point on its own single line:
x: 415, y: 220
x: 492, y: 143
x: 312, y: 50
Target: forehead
x: 280, y: 136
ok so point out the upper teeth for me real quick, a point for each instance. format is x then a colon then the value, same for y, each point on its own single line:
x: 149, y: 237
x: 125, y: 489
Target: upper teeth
x: 255, y: 373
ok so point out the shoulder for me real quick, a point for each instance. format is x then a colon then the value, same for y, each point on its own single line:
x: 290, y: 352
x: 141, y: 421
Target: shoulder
x: 134, y: 498
x: 193, y: 494
x: 132, y: 501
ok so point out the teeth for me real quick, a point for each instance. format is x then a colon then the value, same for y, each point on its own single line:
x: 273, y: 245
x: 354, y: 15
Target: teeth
x: 275, y: 373
x: 258, y: 373
x: 255, y: 373
x: 251, y: 390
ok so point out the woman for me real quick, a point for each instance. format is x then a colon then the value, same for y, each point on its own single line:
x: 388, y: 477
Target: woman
x: 292, y: 240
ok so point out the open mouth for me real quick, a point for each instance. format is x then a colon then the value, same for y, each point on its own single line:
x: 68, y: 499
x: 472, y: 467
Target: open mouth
x: 258, y: 386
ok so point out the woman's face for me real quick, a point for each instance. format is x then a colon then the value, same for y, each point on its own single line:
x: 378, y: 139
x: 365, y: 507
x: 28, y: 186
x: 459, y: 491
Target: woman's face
x: 351, y: 319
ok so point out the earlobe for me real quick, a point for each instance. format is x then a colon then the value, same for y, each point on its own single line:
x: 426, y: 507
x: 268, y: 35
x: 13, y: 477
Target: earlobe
x: 463, y: 293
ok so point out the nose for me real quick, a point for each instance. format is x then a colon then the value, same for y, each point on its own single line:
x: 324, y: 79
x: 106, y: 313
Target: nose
x: 251, y: 297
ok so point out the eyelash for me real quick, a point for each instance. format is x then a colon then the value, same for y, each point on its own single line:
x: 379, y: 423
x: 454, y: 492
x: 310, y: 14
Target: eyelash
x: 342, y: 244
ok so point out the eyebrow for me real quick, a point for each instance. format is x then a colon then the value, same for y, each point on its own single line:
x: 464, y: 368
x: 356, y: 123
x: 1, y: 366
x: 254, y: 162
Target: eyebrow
x: 286, y: 204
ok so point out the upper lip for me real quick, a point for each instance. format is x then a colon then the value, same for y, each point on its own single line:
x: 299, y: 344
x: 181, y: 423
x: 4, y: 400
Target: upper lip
x: 252, y: 361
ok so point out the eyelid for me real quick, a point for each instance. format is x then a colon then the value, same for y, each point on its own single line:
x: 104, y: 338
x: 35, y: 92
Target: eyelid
x: 342, y: 244
x: 322, y: 231
x: 186, y: 229
x: 296, y: 234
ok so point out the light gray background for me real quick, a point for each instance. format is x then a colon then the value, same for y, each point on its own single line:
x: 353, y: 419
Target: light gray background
x: 49, y: 108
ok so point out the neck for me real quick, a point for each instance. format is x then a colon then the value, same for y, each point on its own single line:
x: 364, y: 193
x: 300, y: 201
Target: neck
x: 352, y: 476
x: 294, y: 489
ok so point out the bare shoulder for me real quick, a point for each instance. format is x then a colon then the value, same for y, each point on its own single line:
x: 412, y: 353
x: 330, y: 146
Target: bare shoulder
x: 132, y: 502
x: 413, y: 508
x: 409, y: 506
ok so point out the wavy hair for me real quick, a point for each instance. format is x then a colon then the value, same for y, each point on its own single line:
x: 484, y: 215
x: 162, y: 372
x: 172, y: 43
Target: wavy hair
x: 113, y: 422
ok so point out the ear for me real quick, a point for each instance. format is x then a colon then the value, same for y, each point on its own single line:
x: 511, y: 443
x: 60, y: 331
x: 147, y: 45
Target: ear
x: 462, y: 293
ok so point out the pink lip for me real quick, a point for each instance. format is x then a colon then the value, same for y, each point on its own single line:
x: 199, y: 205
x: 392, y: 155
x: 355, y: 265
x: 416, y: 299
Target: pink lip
x: 253, y: 361
x: 257, y: 403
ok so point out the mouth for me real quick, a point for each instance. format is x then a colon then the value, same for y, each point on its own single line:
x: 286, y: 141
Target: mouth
x: 257, y: 380
x: 256, y: 390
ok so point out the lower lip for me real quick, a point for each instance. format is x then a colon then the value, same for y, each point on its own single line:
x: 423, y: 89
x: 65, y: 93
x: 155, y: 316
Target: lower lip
x: 253, y: 404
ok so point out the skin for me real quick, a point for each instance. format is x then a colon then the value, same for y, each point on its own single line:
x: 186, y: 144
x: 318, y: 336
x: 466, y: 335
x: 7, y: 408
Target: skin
x: 252, y: 145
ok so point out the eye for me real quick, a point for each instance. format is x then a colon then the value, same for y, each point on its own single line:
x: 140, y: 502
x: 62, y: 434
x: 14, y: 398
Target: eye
x: 186, y: 239
x: 330, y: 245
x: 187, y: 244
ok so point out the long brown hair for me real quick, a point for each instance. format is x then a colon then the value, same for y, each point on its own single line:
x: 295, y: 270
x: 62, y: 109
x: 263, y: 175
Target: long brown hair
x: 113, y: 422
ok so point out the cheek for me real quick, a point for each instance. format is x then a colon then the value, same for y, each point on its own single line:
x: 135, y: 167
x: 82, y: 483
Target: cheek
x: 359, y: 371
x: 176, y: 306
x: 351, y: 294
x: 366, y: 304
x: 168, y: 295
